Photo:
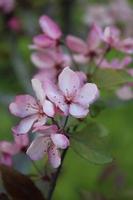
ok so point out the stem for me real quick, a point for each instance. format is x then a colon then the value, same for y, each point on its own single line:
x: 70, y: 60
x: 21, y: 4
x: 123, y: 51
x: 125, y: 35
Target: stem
x: 65, y: 123
x: 55, y: 178
x: 70, y: 53
x: 105, y: 53
x: 55, y: 122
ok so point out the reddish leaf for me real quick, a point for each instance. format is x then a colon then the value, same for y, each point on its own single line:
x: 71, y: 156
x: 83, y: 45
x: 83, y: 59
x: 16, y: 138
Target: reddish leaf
x: 3, y: 196
x: 19, y: 186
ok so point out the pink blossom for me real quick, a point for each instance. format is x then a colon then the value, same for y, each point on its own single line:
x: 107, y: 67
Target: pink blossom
x: 111, y: 36
x: 48, y: 141
x: 50, y: 28
x: 33, y: 111
x: 51, y: 34
x: 126, y: 46
x: 50, y: 74
x: 7, y: 150
x: 7, y: 5
x: 125, y: 93
x: 10, y: 149
x: 116, y: 63
x: 43, y: 41
x: 99, y: 14
x: 69, y: 96
x: 15, y: 24
x: 86, y: 50
x: 50, y: 59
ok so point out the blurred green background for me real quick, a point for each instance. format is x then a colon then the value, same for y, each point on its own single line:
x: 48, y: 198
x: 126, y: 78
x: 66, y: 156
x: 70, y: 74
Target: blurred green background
x: 79, y: 179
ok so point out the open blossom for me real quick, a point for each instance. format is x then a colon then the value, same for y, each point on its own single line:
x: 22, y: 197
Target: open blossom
x: 111, y: 36
x: 10, y: 149
x: 51, y: 34
x: 33, y: 111
x: 48, y: 141
x: 69, y: 95
x: 85, y: 50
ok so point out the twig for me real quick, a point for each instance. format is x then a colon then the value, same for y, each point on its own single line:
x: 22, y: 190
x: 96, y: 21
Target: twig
x: 107, y: 50
x: 55, y: 178
x: 65, y: 122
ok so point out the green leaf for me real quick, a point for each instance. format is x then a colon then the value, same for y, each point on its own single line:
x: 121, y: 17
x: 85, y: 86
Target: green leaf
x: 109, y: 78
x: 91, y: 143
x: 96, y: 108
x: 19, y: 186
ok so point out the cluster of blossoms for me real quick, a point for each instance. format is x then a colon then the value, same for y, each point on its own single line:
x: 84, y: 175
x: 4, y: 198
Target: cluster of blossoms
x: 115, y: 12
x: 62, y: 91
x: 7, y: 5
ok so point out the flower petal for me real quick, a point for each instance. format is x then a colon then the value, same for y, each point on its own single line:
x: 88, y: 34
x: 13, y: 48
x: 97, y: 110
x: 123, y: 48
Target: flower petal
x: 8, y: 148
x: 54, y: 156
x: 25, y: 125
x: 87, y: 94
x: 126, y: 46
x: 38, y: 89
x: 82, y: 77
x: 42, y: 60
x: 48, y: 108
x: 40, y: 122
x: 23, y: 106
x: 43, y: 41
x: 94, y: 37
x: 50, y: 27
x: 46, y: 130
x: 60, y: 140
x: 125, y: 93
x: 6, y: 159
x: 76, y: 44
x: 38, y: 147
x: 68, y: 82
x: 78, y: 111
x: 55, y: 96
x: 81, y: 58
x: 111, y: 36
x: 21, y: 140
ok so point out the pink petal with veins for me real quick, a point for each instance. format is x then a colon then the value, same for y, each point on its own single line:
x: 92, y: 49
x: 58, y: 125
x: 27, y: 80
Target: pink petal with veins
x: 25, y: 125
x: 23, y: 106
x: 54, y: 156
x: 69, y: 82
x: 38, y: 147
